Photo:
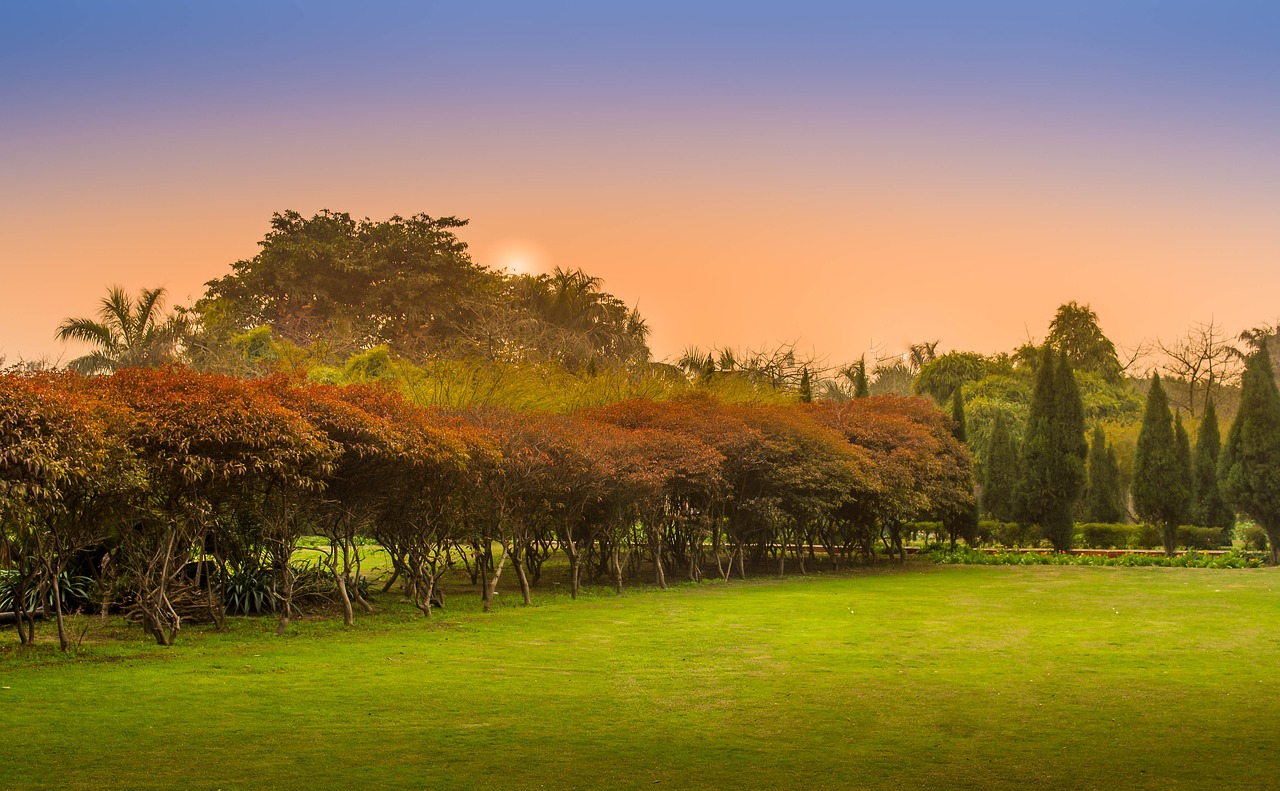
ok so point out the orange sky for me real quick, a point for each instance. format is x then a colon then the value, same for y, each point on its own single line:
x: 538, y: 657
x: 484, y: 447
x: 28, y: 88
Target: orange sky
x: 733, y: 207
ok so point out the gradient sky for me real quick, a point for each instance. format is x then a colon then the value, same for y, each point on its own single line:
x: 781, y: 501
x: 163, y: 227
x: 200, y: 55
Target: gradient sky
x: 842, y: 175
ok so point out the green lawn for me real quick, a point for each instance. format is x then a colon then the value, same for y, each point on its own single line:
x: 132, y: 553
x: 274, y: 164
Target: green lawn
x: 955, y: 677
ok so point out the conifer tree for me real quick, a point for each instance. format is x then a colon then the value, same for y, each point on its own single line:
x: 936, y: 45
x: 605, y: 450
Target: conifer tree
x: 1000, y: 473
x: 1161, y: 475
x: 1054, y: 452
x: 1102, y: 499
x: 1208, y: 507
x: 860, y: 387
x: 1249, y: 469
x: 806, y: 387
x: 958, y: 427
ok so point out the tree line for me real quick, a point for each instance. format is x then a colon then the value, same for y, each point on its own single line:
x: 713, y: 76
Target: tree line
x: 141, y: 475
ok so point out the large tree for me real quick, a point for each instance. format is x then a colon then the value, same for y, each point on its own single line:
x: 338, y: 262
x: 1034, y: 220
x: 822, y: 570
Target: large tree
x: 1161, y: 485
x: 1249, y: 467
x: 405, y: 282
x: 1075, y: 332
x: 1054, y: 451
x: 1208, y: 507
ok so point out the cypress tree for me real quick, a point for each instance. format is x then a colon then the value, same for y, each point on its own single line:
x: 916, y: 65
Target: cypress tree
x: 1208, y: 507
x: 1182, y: 448
x: 1161, y: 476
x: 860, y: 386
x: 806, y: 387
x: 1054, y: 452
x: 1102, y: 500
x: 1000, y: 473
x: 1249, y: 468
x: 958, y: 427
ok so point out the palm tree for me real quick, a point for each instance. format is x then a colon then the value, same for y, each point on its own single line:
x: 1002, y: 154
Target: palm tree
x: 127, y: 334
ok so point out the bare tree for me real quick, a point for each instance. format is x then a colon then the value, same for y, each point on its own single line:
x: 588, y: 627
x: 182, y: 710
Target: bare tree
x: 1200, y: 361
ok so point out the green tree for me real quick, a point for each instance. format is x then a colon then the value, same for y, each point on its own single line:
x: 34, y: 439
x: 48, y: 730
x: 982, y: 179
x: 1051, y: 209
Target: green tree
x: 1103, y: 500
x: 1054, y: 452
x: 1074, y: 331
x: 1208, y: 507
x: 1000, y: 473
x: 806, y: 387
x: 1249, y: 468
x: 405, y: 282
x: 1161, y: 476
x: 128, y: 333
x: 958, y: 427
x: 859, y: 378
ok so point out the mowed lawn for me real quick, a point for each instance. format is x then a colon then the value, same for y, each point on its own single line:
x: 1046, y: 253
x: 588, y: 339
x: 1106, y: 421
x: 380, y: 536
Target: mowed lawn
x: 938, y: 677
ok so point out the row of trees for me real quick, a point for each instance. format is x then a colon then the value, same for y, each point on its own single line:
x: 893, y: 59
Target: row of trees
x: 1043, y: 479
x: 138, y: 475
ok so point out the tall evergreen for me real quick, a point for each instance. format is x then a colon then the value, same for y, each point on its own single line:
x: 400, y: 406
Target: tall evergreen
x: 806, y: 387
x: 1161, y: 470
x: 1208, y: 507
x: 860, y: 387
x: 1000, y: 473
x: 958, y: 427
x: 1249, y: 469
x: 1103, y: 501
x: 1182, y: 455
x: 1054, y: 452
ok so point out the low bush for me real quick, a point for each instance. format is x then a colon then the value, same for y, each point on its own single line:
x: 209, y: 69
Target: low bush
x: 77, y: 591
x: 1012, y: 534
x: 1193, y: 559
x: 1255, y: 538
x: 1093, y: 535
x: 1193, y: 537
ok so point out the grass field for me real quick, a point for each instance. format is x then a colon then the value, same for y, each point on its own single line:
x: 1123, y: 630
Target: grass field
x: 955, y: 677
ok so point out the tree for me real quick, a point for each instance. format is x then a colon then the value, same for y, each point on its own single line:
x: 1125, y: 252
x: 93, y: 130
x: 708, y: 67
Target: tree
x: 1103, y: 500
x: 573, y: 321
x: 860, y: 389
x: 1249, y: 467
x: 806, y: 388
x: 1208, y: 507
x: 958, y: 427
x: 1161, y: 476
x: 944, y: 374
x: 1201, y: 360
x: 128, y: 333
x: 1000, y: 473
x: 1074, y: 331
x: 1054, y: 452
x: 405, y: 282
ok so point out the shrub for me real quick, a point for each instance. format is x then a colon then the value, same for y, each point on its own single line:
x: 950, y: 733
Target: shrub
x: 1012, y: 534
x: 1193, y: 537
x: 965, y: 556
x: 249, y: 590
x: 1147, y: 537
x: 77, y: 592
x: 1255, y: 538
x: 1094, y: 535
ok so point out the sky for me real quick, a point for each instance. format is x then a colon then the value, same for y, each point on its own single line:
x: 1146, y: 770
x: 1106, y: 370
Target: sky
x: 845, y: 176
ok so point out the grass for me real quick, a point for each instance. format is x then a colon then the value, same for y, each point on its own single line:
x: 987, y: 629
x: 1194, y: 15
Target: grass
x: 946, y: 677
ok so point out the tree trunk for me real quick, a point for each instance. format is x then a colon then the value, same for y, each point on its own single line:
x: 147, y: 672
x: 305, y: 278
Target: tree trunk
x: 63, y: 643
x: 491, y: 586
x: 286, y: 606
x: 517, y: 560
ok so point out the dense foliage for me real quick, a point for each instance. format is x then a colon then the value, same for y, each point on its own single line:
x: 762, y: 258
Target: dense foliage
x: 187, y: 494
